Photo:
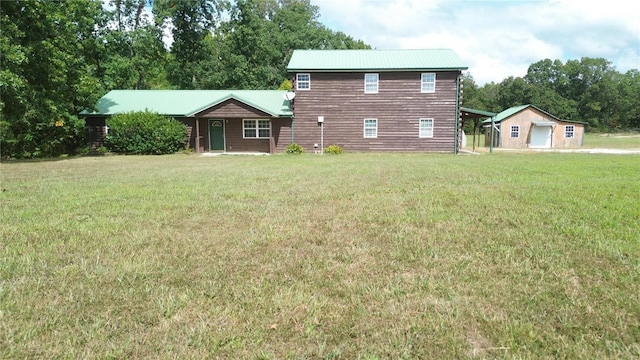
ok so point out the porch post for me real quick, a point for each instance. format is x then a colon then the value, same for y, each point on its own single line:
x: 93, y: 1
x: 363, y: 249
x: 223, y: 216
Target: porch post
x: 271, y: 140
x: 197, y: 135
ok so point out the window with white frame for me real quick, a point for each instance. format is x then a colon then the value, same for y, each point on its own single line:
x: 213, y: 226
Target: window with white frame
x: 371, y: 83
x: 426, y: 128
x: 255, y: 129
x: 371, y: 128
x: 569, y: 131
x: 303, y: 81
x: 428, y: 83
x: 515, y: 131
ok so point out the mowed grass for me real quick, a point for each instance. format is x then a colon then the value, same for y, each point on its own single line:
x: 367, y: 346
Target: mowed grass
x: 357, y: 256
x: 612, y: 141
x: 629, y: 140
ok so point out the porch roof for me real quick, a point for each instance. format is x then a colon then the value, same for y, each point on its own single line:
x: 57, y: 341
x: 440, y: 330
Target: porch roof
x: 475, y: 113
x: 188, y: 103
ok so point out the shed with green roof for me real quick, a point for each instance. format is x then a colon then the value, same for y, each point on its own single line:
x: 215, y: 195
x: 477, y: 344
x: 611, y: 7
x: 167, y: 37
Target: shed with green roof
x: 528, y: 126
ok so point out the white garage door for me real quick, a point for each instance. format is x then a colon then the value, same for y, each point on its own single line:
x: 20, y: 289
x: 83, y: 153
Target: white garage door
x: 540, y: 137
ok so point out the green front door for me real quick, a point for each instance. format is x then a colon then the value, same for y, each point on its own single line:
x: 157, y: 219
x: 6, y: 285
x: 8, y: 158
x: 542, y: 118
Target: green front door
x: 216, y: 135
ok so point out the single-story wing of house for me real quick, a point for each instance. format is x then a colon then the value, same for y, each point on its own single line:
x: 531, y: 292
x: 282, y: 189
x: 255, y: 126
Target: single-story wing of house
x: 216, y: 120
x: 527, y: 126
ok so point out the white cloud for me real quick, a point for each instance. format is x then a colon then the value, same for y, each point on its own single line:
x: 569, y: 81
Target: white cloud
x: 496, y: 39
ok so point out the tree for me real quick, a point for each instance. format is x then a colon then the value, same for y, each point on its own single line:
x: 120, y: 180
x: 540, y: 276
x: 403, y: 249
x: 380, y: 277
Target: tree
x: 513, y: 92
x: 131, y: 54
x: 191, y: 22
x: 255, y: 45
x: 46, y: 78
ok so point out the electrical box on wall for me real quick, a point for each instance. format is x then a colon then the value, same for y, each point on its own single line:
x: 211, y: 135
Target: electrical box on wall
x: 320, y: 119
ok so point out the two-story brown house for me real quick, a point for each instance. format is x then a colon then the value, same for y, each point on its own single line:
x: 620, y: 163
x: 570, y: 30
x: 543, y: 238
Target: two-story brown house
x: 362, y: 100
x: 377, y: 100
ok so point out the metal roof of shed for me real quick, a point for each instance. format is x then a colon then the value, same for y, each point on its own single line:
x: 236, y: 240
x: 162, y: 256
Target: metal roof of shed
x: 516, y: 109
x: 189, y: 102
x: 370, y: 60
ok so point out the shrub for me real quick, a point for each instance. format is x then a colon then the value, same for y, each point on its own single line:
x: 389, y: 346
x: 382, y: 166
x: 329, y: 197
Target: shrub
x: 145, y: 133
x: 294, y: 149
x: 333, y: 149
x: 102, y: 150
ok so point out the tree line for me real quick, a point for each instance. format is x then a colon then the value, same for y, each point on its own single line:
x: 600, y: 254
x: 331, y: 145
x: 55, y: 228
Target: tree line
x: 59, y: 57
x: 588, y: 90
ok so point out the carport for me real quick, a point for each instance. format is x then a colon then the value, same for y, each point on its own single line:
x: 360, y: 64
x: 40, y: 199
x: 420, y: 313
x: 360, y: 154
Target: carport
x: 476, y: 116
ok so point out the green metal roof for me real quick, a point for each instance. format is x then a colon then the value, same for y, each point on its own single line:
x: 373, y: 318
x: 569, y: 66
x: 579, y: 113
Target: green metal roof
x: 476, y: 112
x: 368, y: 60
x: 516, y: 109
x: 189, y: 102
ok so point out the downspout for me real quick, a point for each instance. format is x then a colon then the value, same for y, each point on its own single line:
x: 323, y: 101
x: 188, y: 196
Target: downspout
x: 456, y: 132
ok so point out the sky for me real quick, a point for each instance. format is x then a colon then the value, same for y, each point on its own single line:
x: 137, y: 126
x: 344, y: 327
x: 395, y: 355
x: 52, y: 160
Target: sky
x: 499, y: 38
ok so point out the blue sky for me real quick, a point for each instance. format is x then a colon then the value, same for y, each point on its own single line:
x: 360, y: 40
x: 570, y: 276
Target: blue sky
x: 498, y: 38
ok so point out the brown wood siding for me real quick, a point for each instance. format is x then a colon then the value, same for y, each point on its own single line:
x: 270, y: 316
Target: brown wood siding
x: 398, y: 106
x: 235, y: 141
x: 191, y: 133
x: 95, y: 131
x: 281, y: 132
x: 232, y: 109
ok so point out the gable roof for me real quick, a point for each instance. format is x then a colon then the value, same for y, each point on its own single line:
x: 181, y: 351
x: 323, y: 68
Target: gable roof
x: 516, y: 109
x: 370, y: 60
x: 189, y: 102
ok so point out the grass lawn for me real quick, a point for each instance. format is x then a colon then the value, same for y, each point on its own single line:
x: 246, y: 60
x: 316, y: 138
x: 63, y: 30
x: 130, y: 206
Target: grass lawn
x: 613, y: 141
x: 357, y: 256
x: 591, y: 141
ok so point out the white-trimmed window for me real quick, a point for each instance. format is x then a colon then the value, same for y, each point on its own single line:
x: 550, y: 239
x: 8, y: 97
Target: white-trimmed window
x: 515, y: 131
x: 569, y: 131
x: 303, y: 81
x: 255, y: 129
x: 426, y: 128
x: 371, y: 83
x: 370, y: 128
x: 428, y: 83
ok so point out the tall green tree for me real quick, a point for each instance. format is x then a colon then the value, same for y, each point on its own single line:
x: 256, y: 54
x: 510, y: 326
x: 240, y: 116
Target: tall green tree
x: 190, y: 21
x: 255, y: 45
x: 132, y: 53
x: 46, y: 78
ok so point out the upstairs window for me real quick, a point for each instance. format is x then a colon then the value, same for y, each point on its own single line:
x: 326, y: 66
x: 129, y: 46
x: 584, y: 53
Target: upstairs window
x: 426, y: 128
x: 370, y: 128
x: 428, y: 83
x: 255, y: 129
x: 371, y: 83
x: 303, y: 81
x: 569, y: 131
x: 515, y: 131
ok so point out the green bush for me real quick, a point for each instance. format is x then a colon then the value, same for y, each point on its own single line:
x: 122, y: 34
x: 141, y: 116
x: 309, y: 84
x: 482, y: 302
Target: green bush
x: 294, y: 149
x: 333, y: 149
x: 36, y: 135
x: 145, y: 133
